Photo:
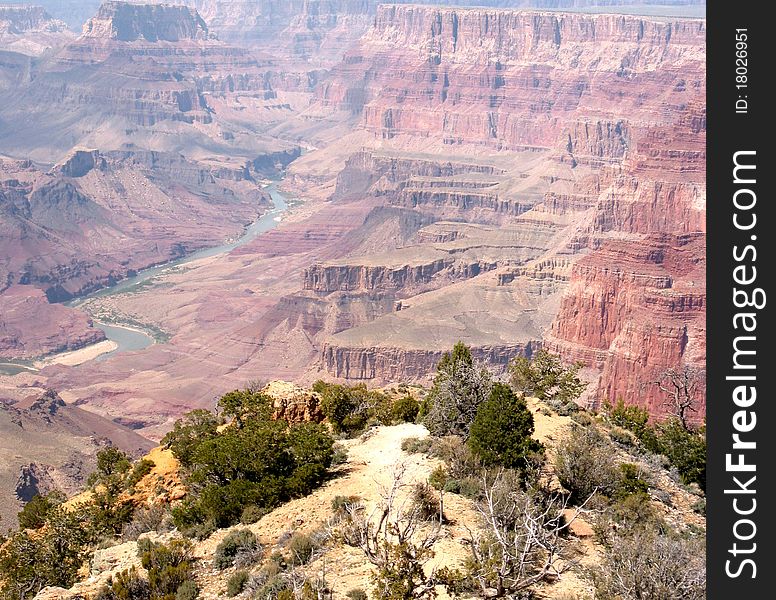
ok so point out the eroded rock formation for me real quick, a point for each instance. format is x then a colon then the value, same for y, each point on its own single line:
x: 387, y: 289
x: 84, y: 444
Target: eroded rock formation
x: 30, y: 30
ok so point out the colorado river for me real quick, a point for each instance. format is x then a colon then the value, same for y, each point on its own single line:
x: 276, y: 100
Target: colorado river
x: 130, y: 338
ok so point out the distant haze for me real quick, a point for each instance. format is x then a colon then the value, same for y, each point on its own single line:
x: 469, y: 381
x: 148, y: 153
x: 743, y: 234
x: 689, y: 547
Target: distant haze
x: 76, y: 12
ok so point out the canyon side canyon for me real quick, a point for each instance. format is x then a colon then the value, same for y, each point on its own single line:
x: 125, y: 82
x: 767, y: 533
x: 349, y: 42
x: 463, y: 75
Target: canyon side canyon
x: 515, y: 176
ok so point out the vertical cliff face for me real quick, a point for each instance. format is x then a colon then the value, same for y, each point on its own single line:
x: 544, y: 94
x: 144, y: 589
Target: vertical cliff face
x: 127, y: 22
x: 514, y: 79
x: 614, y: 104
x: 325, y: 29
x: 633, y: 311
x: 636, y: 306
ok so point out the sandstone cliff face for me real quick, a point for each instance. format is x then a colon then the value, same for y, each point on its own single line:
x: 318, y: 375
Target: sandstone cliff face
x: 22, y: 18
x: 636, y: 306
x: 634, y: 310
x: 515, y: 79
x: 127, y: 22
x: 372, y: 171
x: 361, y: 278
x: 615, y: 102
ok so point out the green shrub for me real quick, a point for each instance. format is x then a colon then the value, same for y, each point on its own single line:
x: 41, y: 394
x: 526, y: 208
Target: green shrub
x: 189, y: 432
x: 246, y: 405
x: 630, y: 513
x: 188, y: 590
x: 582, y: 418
x: 223, y: 505
x: 197, y: 530
x: 584, y: 463
x: 699, y: 506
x: 340, y: 455
x: 34, y: 513
x: 241, y: 541
x: 501, y: 431
x: 685, y: 449
x: 546, y: 377
x: 252, y: 514
x: 144, y: 519
x: 236, y: 583
x: 274, y: 587
x: 112, y: 461
x: 565, y: 409
x: 303, y: 546
x: 630, y: 482
x: 379, y: 408
x: 340, y: 504
x: 425, y: 502
x: 405, y: 410
x: 438, y: 478
x: 126, y: 585
x: 168, y: 566
x: 459, y: 388
x: 108, y: 512
x: 469, y: 487
x: 52, y: 555
x: 141, y: 469
x: 261, y: 463
x: 632, y: 418
x: 415, y: 445
x: 345, y: 407
x: 621, y: 436
x: 356, y: 594
x: 459, y: 460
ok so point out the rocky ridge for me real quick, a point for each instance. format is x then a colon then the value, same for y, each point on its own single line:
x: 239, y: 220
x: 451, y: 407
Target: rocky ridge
x: 47, y: 444
x: 30, y: 30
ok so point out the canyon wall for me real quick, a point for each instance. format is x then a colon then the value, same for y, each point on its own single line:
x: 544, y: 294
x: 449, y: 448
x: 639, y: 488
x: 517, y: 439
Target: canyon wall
x: 517, y: 79
x: 129, y: 22
x: 140, y: 74
x: 30, y: 30
x: 612, y: 107
x: 60, y: 230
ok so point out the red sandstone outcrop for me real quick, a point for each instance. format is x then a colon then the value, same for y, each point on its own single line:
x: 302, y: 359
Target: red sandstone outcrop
x: 516, y: 79
x: 634, y: 310
x: 294, y: 404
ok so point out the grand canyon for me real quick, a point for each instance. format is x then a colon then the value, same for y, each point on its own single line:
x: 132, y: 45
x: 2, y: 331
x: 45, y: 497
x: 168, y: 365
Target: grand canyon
x: 196, y: 194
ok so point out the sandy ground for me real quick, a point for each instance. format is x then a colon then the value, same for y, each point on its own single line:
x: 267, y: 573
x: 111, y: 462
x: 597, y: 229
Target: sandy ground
x: 77, y: 357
